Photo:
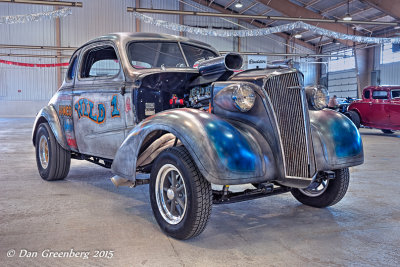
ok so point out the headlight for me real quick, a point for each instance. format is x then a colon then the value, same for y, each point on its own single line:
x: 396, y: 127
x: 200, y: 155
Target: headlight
x: 244, y: 97
x: 317, y: 96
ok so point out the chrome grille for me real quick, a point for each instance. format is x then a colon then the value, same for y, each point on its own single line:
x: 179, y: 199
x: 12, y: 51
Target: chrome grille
x: 286, y: 98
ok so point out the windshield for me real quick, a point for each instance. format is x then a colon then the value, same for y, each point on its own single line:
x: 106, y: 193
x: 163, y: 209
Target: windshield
x: 195, y: 54
x: 146, y: 55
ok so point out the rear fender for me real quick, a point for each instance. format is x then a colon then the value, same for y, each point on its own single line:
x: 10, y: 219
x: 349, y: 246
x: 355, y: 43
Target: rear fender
x: 223, y: 152
x: 49, y: 114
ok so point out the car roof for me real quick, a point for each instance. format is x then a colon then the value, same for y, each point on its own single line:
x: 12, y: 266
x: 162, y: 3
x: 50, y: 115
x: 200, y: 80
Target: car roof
x: 128, y: 36
x: 383, y: 87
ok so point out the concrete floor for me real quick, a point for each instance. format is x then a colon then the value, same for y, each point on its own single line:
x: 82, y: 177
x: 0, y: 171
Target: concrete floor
x: 85, y: 212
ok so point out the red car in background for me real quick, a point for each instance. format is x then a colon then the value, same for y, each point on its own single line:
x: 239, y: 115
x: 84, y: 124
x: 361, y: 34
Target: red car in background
x: 379, y: 108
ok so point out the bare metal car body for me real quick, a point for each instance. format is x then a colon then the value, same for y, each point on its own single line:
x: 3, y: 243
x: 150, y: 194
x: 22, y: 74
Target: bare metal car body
x: 112, y: 120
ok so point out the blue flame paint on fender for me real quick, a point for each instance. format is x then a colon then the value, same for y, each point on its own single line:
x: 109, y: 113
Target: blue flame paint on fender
x: 225, y: 152
x: 337, y: 142
x: 232, y: 148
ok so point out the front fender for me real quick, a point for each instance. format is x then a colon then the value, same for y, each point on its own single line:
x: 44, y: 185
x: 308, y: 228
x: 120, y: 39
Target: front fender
x: 337, y: 142
x: 49, y: 114
x: 225, y: 153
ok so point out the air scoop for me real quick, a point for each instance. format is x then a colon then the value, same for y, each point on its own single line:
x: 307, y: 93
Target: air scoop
x: 221, y: 65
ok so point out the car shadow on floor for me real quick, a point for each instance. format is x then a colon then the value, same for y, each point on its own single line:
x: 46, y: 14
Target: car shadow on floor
x: 251, y: 220
x: 380, y: 134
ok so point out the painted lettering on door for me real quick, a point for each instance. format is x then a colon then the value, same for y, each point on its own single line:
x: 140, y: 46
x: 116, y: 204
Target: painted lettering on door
x: 86, y: 108
x: 114, y: 107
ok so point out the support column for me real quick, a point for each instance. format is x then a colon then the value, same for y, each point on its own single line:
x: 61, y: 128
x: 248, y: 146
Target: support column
x: 181, y: 21
x: 137, y: 21
x: 364, y: 65
x: 58, y: 44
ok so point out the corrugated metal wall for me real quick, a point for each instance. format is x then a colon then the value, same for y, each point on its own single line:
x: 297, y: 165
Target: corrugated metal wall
x: 98, y: 17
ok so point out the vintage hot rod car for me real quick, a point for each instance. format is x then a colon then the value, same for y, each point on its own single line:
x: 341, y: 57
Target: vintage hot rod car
x: 379, y: 108
x: 136, y: 103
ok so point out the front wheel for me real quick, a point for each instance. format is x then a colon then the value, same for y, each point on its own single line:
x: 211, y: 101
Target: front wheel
x: 181, y: 198
x: 324, y: 192
x: 355, y: 118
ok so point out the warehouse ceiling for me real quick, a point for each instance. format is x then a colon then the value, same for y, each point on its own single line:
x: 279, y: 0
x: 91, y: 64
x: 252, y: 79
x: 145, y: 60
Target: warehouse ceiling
x: 364, y: 10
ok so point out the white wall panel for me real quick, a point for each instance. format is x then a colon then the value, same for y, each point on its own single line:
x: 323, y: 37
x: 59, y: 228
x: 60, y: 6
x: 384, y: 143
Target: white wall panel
x: 343, y: 83
x: 23, y: 83
x: 390, y: 73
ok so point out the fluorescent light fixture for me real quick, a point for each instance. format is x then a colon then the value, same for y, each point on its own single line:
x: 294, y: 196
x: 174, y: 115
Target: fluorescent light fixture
x: 238, y: 4
x: 298, y: 36
x: 347, y: 17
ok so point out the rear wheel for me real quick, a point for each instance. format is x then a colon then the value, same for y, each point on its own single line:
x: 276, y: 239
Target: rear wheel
x: 52, y: 160
x: 181, y: 198
x: 387, y: 131
x: 355, y: 118
x: 324, y: 192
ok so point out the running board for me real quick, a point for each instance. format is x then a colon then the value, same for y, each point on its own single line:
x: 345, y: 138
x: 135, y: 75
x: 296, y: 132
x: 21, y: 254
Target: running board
x: 225, y: 197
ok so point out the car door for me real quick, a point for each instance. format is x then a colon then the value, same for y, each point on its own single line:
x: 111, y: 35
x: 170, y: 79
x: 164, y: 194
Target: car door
x: 364, y: 107
x: 394, y: 108
x: 379, y: 116
x: 98, y: 101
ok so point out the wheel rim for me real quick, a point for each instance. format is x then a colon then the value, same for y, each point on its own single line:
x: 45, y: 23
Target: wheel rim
x: 44, y: 152
x: 316, y: 188
x: 171, y: 194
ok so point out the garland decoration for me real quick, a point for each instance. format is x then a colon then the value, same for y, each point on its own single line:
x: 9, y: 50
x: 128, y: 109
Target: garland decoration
x: 35, y: 17
x: 264, y: 31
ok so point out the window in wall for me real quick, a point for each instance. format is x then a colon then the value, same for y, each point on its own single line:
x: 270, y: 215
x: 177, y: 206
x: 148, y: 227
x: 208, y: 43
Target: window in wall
x: 388, y: 54
x: 344, y: 61
x: 379, y: 95
x: 100, y: 62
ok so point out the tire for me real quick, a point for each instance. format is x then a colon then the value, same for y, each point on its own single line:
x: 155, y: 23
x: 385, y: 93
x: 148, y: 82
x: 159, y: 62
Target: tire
x: 387, y: 131
x: 335, y: 190
x: 53, y: 164
x: 187, y: 220
x: 355, y: 118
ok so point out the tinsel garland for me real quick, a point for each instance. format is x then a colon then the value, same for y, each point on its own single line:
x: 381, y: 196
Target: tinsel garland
x: 264, y: 31
x: 35, y: 17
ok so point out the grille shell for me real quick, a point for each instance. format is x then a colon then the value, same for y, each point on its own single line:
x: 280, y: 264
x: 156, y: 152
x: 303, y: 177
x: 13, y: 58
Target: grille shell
x: 288, y: 102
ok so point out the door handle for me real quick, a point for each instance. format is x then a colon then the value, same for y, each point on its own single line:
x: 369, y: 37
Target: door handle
x: 122, y: 90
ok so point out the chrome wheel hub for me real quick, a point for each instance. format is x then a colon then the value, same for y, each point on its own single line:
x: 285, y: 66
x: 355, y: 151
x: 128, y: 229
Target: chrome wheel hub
x: 171, y: 194
x: 44, y: 152
x: 316, y: 188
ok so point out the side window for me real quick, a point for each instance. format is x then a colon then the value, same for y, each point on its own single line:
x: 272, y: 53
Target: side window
x: 395, y: 93
x: 367, y: 94
x: 379, y: 95
x: 72, y: 68
x: 100, y: 62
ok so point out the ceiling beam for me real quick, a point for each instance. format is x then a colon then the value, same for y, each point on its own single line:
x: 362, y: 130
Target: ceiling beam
x: 329, y: 9
x: 290, y: 9
x: 256, y: 23
x: 389, y: 7
x: 45, y: 3
x: 247, y: 8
